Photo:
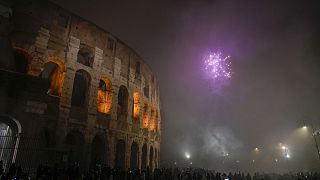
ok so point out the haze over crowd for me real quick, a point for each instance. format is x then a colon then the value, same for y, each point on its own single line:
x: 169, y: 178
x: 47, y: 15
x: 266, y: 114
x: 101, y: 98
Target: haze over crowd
x: 274, y: 49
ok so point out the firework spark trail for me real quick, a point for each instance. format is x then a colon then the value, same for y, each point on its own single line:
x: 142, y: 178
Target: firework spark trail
x: 218, y: 70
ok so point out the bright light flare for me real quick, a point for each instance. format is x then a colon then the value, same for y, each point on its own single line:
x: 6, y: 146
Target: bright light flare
x: 304, y: 127
x: 187, y: 155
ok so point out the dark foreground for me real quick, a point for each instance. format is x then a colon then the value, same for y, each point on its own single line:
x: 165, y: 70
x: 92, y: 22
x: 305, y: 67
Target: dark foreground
x: 105, y: 173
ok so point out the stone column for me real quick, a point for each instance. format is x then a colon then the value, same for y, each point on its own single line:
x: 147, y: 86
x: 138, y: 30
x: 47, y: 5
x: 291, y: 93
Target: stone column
x: 95, y: 78
x: 128, y: 153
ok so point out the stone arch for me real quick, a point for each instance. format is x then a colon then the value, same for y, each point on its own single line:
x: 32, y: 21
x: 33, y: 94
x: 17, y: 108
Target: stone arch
x: 145, y: 115
x: 53, y: 71
x: 74, y: 145
x: 104, y: 96
x: 9, y: 141
x: 85, y: 56
x: 136, y: 105
x: 134, y: 155
x: 120, y: 157
x: 81, y: 86
x: 123, y: 101
x: 22, y: 60
x: 151, y: 156
x: 98, y: 149
x: 144, y: 156
x: 152, y: 120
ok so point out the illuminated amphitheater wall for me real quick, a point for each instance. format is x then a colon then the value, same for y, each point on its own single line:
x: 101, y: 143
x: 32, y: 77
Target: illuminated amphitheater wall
x: 86, y: 95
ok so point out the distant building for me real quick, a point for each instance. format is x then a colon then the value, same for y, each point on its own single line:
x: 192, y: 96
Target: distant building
x: 72, y: 92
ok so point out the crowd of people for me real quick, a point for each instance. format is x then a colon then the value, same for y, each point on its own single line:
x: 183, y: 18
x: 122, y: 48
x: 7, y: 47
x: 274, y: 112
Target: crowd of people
x: 100, y: 172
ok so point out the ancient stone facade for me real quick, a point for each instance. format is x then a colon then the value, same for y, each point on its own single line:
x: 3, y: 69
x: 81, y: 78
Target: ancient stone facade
x: 82, y: 92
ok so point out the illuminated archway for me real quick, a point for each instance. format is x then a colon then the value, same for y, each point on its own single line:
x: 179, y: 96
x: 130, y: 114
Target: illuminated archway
x: 145, y: 116
x: 136, y: 105
x: 104, y: 96
x: 54, y: 70
x: 9, y: 140
x: 152, y: 120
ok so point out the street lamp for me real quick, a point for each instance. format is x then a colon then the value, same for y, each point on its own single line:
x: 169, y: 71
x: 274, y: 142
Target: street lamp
x: 314, y: 133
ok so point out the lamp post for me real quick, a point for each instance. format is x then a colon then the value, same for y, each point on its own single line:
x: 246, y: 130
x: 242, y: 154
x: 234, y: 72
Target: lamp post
x: 314, y: 133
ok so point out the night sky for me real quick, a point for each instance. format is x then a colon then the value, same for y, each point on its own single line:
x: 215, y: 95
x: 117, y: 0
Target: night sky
x: 275, y: 51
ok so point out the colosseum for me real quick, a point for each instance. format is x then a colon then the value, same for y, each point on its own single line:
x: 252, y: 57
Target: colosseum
x: 72, y: 92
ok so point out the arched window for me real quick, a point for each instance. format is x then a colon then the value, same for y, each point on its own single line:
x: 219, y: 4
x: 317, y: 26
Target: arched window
x: 98, y: 150
x: 145, y: 116
x: 80, y: 90
x: 144, y: 157
x: 123, y: 100
x: 136, y: 105
x: 85, y: 56
x: 152, y: 120
x: 74, y: 147
x: 134, y: 155
x: 104, y: 97
x: 54, y: 72
x: 21, y: 61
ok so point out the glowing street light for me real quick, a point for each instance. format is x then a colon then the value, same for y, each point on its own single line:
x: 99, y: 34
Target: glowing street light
x: 287, y: 156
x: 256, y: 149
x: 284, y: 148
x: 304, y: 127
x: 187, y: 155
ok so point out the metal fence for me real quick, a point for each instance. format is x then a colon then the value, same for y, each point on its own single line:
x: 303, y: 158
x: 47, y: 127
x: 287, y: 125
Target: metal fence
x: 25, y: 151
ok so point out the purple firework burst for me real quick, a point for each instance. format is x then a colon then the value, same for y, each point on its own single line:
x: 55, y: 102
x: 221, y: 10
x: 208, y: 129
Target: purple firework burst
x: 218, y: 69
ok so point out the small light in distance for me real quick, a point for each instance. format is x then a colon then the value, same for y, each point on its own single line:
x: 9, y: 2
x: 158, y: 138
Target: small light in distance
x: 304, y: 127
x: 276, y: 160
x: 287, y: 156
x: 284, y: 147
x: 256, y: 149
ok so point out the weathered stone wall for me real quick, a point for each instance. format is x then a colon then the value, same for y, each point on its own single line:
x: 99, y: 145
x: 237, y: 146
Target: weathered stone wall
x: 42, y: 30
